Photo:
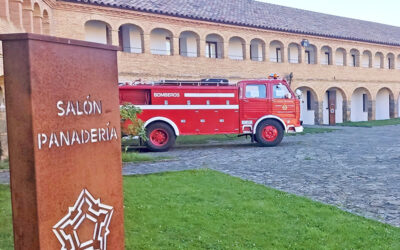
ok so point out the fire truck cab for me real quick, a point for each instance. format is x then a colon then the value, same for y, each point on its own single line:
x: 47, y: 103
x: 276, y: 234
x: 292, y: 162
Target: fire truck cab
x: 262, y: 109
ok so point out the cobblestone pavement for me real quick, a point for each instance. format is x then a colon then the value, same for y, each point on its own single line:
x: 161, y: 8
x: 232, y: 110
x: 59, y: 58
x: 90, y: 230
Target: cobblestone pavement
x: 355, y: 169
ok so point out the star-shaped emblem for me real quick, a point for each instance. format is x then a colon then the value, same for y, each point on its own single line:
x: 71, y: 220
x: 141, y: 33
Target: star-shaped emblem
x: 86, y: 224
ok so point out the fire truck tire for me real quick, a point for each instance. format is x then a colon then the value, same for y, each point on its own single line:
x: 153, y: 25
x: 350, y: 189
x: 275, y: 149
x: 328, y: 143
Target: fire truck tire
x: 269, y: 133
x: 161, y: 137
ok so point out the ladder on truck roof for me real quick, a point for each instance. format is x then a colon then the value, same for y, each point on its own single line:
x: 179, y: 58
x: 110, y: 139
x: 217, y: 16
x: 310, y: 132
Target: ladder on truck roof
x: 202, y: 82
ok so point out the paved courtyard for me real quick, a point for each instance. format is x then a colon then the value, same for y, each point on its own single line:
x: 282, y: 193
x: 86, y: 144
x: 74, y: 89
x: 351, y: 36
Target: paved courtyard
x: 356, y: 169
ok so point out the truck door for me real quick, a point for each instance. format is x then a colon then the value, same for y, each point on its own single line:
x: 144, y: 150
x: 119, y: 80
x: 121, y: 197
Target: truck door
x: 283, y: 102
x: 253, y: 104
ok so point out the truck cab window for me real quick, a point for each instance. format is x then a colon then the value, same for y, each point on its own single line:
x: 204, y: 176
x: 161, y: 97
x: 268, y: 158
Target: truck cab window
x: 281, y: 92
x: 256, y: 91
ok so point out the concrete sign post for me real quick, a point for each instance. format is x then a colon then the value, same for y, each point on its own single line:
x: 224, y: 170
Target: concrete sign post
x: 64, y: 143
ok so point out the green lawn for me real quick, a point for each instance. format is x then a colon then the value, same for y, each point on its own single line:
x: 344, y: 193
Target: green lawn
x: 204, y: 209
x: 313, y: 131
x: 4, y: 164
x: 394, y: 121
x: 137, y: 157
x: 204, y: 139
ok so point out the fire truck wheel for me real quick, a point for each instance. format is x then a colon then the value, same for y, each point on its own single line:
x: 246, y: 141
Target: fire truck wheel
x: 160, y: 136
x: 269, y: 133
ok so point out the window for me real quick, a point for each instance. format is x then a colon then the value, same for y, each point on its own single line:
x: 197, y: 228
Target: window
x: 256, y: 91
x: 365, y: 100
x: 211, y: 49
x: 389, y: 63
x: 278, y: 55
x: 168, y: 45
x: 281, y: 92
x: 328, y: 58
x: 308, y: 56
x: 309, y: 100
x: 354, y: 60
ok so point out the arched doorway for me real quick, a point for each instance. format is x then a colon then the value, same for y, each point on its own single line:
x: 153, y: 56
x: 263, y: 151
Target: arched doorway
x: 384, y: 104
x: 131, y: 38
x: 361, y: 105
x: 309, y: 111
x: 334, y: 106
x: 189, y: 44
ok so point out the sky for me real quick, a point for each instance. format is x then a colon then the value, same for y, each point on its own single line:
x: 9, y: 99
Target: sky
x: 381, y: 11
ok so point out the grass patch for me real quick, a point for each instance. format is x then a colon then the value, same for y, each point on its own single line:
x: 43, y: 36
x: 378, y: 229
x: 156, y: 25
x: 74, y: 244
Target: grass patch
x: 4, y: 164
x: 313, y: 131
x: 203, y: 139
x: 204, y: 209
x: 6, y: 231
x: 368, y: 124
x: 137, y: 157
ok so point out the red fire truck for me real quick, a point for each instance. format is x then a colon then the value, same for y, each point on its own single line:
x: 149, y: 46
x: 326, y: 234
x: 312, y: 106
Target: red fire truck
x: 261, y: 109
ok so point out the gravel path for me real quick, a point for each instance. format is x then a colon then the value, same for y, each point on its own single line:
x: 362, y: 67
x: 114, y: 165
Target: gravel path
x: 355, y: 169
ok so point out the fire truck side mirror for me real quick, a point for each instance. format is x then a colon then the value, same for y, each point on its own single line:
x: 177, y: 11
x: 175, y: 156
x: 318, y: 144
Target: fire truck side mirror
x: 298, y: 93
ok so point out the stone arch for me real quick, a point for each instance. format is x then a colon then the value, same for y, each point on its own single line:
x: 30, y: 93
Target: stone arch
x: 4, y: 10
x: 366, y: 59
x: 237, y: 48
x: 37, y: 19
x: 257, y: 50
x: 390, y: 61
x: 27, y: 15
x: 46, y: 22
x: 131, y: 38
x: 398, y: 62
x: 276, y: 51
x: 311, y: 54
x: 355, y: 58
x: 378, y: 60
x: 294, y: 53
x: 15, y: 10
x: 326, y: 55
x: 309, y: 106
x: 337, y: 97
x: 214, y: 46
x: 361, y: 105
x: 341, y: 57
x: 398, y: 106
x: 384, y: 104
x: 189, y: 44
x: 98, y: 32
x: 161, y: 42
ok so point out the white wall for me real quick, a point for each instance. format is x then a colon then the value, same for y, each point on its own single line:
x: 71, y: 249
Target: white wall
x: 96, y: 31
x: 338, y: 108
x: 377, y: 61
x: 325, y: 110
x: 357, y: 113
x: 272, y: 52
x: 307, y: 116
x: 218, y: 40
x: 324, y: 57
x: 188, y: 42
x: 382, y: 105
x: 313, y: 52
x: 132, y: 39
x: 339, y: 57
x: 398, y: 62
x: 235, y: 49
x: 365, y: 60
x: 257, y: 51
x: 398, y: 106
x: 158, y: 42
x: 293, y: 52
